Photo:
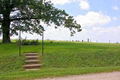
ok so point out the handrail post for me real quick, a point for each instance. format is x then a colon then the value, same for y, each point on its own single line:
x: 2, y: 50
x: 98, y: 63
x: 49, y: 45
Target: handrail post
x: 19, y: 42
x: 42, y: 42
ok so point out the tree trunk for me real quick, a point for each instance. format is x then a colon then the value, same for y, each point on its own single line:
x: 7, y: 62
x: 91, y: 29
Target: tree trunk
x: 6, y: 29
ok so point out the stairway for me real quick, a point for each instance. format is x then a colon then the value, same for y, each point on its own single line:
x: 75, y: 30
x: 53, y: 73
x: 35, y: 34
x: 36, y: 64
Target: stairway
x: 32, y: 62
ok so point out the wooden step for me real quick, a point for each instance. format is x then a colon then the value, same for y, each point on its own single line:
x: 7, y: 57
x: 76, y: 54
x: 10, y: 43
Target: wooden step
x: 31, y: 54
x: 32, y: 69
x: 32, y: 66
x: 32, y: 61
x: 32, y: 57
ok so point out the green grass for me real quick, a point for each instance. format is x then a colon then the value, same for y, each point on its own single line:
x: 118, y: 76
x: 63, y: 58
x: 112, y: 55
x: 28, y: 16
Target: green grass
x: 60, y: 59
x: 55, y: 72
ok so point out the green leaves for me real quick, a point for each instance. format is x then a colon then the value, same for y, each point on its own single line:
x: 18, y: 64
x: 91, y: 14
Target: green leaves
x: 29, y: 13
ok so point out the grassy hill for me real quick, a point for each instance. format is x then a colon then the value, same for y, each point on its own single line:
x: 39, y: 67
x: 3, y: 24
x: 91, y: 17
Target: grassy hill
x: 59, y: 59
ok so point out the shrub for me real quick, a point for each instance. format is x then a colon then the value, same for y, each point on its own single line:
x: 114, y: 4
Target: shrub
x: 51, y: 42
x: 34, y: 42
x: 27, y: 42
x: 17, y: 40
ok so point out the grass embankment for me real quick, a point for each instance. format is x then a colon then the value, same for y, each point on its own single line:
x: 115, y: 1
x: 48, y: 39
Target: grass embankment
x: 60, y: 59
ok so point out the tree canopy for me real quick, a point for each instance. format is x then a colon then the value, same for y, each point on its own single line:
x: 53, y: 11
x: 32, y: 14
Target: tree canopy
x: 29, y: 14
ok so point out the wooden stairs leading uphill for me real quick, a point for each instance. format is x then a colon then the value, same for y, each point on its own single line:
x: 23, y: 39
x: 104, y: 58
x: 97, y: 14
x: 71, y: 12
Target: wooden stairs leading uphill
x: 32, y: 62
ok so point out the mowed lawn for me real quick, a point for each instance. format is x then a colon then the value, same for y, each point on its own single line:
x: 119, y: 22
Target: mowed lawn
x: 60, y: 59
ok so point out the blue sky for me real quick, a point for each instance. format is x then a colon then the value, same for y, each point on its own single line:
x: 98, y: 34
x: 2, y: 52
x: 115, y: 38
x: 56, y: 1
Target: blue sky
x: 99, y: 20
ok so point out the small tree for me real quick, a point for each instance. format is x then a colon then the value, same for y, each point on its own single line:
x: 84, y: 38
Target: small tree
x: 30, y: 13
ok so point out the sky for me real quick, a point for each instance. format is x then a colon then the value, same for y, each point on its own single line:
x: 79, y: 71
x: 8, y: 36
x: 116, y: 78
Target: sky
x: 99, y: 20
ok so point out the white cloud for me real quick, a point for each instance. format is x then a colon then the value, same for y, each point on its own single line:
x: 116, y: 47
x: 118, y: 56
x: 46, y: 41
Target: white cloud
x: 57, y: 34
x: 114, y: 18
x: 96, y: 33
x: 115, y: 8
x: 110, y: 30
x: 110, y: 33
x: 84, y: 4
x: 92, y: 18
x: 59, y: 1
x: 50, y: 33
x: 99, y: 34
x: 101, y: 3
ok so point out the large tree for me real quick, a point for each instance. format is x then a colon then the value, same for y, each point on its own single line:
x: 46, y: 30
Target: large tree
x: 29, y: 14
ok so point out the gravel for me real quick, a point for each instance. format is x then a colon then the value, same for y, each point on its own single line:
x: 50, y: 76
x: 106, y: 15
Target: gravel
x: 99, y: 76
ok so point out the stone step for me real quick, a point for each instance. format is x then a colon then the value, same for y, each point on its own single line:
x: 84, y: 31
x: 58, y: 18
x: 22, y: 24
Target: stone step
x: 32, y: 61
x: 32, y: 57
x: 29, y: 66
x: 31, y: 54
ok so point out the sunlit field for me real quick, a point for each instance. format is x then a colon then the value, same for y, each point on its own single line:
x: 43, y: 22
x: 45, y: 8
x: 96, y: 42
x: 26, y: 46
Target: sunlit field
x: 59, y: 59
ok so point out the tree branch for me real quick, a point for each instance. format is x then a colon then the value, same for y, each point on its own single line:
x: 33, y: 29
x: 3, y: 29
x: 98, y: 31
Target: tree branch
x: 1, y: 21
x: 1, y: 8
x: 13, y: 4
x: 22, y: 19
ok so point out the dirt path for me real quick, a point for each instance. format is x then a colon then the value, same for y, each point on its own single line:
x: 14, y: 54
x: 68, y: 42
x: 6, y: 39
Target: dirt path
x: 99, y: 76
